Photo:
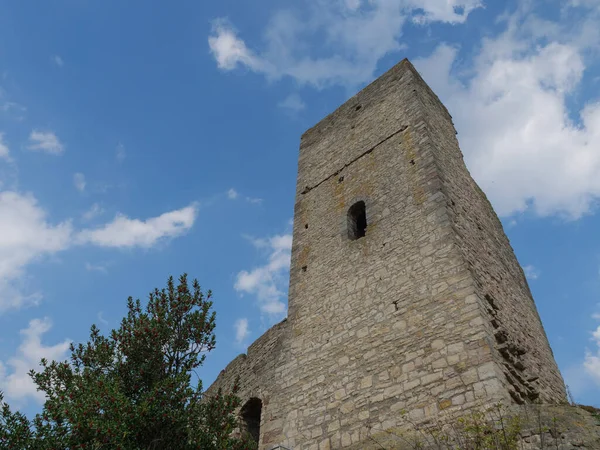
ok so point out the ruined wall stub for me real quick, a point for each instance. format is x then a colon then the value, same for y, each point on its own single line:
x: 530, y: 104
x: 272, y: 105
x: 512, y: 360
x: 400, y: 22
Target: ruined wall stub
x: 428, y: 313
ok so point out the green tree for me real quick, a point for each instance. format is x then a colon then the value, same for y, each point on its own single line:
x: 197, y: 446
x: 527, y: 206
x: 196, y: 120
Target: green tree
x: 132, y: 389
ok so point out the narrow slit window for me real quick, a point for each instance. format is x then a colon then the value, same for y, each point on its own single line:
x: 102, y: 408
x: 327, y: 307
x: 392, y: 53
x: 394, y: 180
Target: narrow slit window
x: 357, y: 221
x: 251, y: 413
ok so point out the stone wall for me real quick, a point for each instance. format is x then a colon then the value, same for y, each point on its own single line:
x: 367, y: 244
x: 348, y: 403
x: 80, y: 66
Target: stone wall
x: 521, y: 347
x: 540, y: 427
x: 396, y: 320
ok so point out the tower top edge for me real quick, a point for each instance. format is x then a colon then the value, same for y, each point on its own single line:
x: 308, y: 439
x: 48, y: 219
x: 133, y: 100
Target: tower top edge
x: 396, y: 72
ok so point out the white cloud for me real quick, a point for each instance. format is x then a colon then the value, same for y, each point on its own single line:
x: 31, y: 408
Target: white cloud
x: 126, y: 232
x: 585, y: 3
x: 101, y: 318
x: 450, y: 11
x: 4, y: 151
x: 12, y: 109
x: 120, y: 152
x: 46, y: 142
x: 79, y: 181
x: 232, y: 194
x: 513, y: 121
x: 292, y: 103
x: 592, y: 358
x: 58, y: 61
x: 94, y: 211
x: 531, y: 272
x: 241, y: 330
x: 254, y: 200
x: 25, y: 237
x: 352, y: 5
x: 517, y: 134
x: 268, y: 282
x: 353, y: 36
x: 96, y: 267
x: 16, y: 382
x: 596, y: 315
x: 229, y: 50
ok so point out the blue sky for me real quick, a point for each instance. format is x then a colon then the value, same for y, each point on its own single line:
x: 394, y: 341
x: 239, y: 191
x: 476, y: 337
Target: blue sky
x: 146, y: 139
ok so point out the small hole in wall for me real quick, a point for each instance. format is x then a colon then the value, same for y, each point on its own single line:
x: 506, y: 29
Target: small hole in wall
x: 340, y: 179
x: 357, y: 107
x: 304, y: 268
x: 412, y: 161
x: 306, y: 226
x: 357, y: 221
x: 396, y: 305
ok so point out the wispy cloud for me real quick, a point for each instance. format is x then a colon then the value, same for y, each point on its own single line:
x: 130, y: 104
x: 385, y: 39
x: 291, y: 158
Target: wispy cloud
x: 292, y: 103
x: 96, y: 267
x: 120, y: 152
x: 592, y: 357
x: 353, y: 36
x: 232, y: 194
x: 268, y: 281
x: 531, y: 272
x: 4, y: 151
x: 45, y: 141
x: 229, y: 50
x: 101, y: 318
x: 79, y: 181
x: 126, y: 232
x: 15, y: 381
x: 241, y: 330
x: 254, y: 200
x: 58, y: 61
x: 10, y: 108
x: 94, y: 211
x: 519, y: 84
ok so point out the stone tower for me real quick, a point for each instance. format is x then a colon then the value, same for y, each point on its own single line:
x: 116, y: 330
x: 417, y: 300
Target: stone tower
x: 405, y: 293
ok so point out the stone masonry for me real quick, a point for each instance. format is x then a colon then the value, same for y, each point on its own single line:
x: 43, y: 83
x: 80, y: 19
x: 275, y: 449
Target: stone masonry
x: 428, y: 313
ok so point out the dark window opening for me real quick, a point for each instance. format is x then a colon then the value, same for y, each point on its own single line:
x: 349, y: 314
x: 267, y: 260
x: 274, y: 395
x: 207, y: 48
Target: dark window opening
x: 357, y: 221
x: 250, y: 413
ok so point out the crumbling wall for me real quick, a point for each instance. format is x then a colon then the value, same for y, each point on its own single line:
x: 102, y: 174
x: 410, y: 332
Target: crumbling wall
x: 259, y: 375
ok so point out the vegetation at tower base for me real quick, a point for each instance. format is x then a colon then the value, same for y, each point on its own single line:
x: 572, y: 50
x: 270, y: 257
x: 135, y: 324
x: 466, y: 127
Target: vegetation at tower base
x: 132, y: 389
x: 496, y: 427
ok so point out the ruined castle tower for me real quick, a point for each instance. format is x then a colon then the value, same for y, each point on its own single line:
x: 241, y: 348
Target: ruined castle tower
x: 405, y: 293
